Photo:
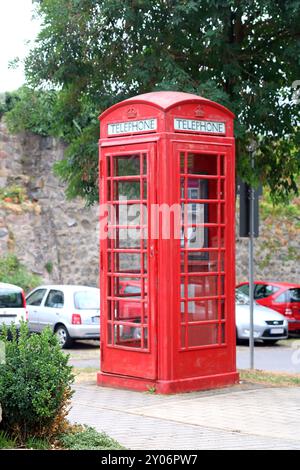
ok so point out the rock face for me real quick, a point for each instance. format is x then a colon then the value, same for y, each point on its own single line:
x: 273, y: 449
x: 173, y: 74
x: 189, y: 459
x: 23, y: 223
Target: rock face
x: 51, y: 236
x: 58, y: 239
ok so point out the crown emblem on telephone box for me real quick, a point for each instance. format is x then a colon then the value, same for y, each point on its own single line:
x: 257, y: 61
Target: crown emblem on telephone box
x: 199, y: 111
x: 131, y: 113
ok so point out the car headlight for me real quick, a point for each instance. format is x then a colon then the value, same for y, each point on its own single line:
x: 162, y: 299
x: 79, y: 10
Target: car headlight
x: 256, y: 334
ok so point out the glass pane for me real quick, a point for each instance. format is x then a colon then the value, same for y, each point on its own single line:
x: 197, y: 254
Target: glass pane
x: 126, y: 165
x: 202, y: 286
x: 131, y: 238
x: 128, y: 336
x: 183, y: 333
x: 223, y: 333
x: 127, y: 287
x: 109, y: 333
x: 222, y: 307
x: 127, y: 310
x: 222, y: 214
x: 198, y: 188
x: 127, y: 214
x: 126, y: 262
x: 212, y: 237
x: 202, y: 335
x: 202, y: 310
x: 126, y: 190
x: 202, y: 164
x: 109, y: 305
x: 182, y: 160
x: 222, y: 165
x: 205, y: 261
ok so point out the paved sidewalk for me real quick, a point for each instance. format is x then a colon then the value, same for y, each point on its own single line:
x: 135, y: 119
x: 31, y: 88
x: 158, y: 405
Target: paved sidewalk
x: 240, y: 417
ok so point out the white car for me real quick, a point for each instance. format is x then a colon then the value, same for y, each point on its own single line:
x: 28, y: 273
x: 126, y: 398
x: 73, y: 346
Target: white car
x: 73, y: 312
x: 12, y: 305
x: 269, y: 326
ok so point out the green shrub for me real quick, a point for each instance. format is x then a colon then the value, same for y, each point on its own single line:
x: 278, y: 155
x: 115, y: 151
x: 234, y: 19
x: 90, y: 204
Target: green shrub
x: 13, y: 272
x: 35, y: 385
x: 88, y: 438
x: 32, y: 110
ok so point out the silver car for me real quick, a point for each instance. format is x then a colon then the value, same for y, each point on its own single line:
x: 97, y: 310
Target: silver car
x: 73, y: 312
x: 269, y: 326
x: 12, y: 305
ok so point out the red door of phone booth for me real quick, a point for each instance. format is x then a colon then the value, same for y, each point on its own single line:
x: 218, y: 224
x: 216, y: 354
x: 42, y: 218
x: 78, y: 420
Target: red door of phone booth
x: 167, y: 266
x: 128, y: 297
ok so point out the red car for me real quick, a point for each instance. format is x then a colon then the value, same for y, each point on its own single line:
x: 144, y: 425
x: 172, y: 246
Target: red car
x: 283, y: 297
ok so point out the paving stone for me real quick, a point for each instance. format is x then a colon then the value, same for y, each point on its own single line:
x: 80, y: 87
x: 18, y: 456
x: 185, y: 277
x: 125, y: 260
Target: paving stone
x: 263, y: 418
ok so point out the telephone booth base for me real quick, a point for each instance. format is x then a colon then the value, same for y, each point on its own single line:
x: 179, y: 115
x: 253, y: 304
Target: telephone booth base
x: 167, y: 387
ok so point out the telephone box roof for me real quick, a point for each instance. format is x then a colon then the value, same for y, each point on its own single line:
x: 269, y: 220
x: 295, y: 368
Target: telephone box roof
x: 165, y: 100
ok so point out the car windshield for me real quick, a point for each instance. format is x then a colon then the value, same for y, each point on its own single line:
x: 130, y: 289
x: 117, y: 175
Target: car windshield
x: 9, y: 298
x: 294, y: 295
x: 241, y: 299
x: 87, y: 300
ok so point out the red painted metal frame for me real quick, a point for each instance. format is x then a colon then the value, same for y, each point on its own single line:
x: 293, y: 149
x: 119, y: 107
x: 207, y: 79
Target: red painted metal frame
x: 166, y: 363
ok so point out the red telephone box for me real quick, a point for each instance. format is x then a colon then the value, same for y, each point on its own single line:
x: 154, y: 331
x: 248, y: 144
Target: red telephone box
x: 167, y: 267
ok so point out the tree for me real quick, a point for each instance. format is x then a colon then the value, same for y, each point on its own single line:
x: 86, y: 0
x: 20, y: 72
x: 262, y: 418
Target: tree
x: 241, y: 53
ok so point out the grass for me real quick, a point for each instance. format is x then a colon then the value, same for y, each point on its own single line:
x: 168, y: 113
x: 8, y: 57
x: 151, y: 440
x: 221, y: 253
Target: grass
x: 37, y: 443
x: 76, y: 438
x: 270, y: 378
x: 86, y: 374
x: 6, y: 442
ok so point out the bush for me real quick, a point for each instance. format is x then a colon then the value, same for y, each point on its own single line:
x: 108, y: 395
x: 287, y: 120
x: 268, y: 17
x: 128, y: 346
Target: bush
x: 87, y: 438
x: 13, y: 272
x: 35, y: 385
x: 32, y: 110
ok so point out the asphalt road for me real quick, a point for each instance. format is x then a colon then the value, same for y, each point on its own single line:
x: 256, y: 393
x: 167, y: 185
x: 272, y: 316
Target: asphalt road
x: 283, y: 357
x: 277, y: 358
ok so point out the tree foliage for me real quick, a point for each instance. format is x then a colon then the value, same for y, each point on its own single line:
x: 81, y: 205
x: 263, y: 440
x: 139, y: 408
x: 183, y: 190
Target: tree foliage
x: 241, y: 53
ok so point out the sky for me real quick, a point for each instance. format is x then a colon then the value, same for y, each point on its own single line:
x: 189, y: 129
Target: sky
x: 16, y: 28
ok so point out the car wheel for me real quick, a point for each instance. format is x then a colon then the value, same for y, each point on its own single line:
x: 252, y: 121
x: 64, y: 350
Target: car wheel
x: 64, y: 339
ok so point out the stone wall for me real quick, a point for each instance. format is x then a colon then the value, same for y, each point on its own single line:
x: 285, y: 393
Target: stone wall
x: 276, y: 251
x: 47, y: 233
x: 46, y: 230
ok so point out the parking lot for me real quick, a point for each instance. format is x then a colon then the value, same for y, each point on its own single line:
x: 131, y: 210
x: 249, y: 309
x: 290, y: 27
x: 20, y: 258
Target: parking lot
x: 282, y: 357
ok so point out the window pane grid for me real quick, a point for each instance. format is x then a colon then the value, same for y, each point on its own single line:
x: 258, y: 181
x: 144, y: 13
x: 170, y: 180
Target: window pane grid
x: 196, y: 329
x: 127, y: 325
